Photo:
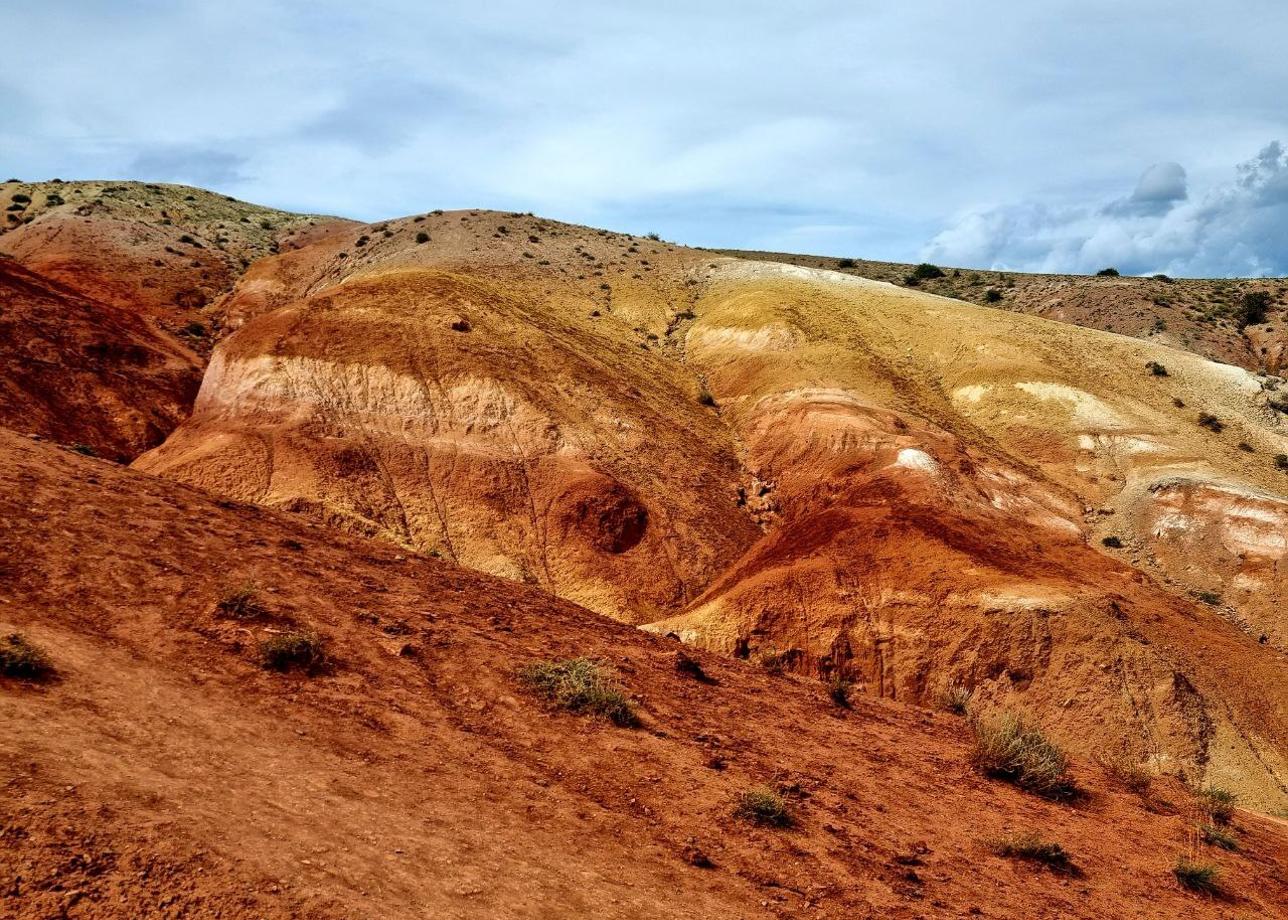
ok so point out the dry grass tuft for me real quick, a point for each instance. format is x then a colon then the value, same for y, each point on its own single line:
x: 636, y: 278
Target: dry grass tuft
x: 1218, y: 837
x: 763, y: 805
x: 1132, y: 776
x: 295, y: 649
x: 1198, y: 876
x: 241, y: 602
x: 956, y: 698
x: 1218, y: 803
x: 1032, y: 848
x: 1009, y: 747
x: 21, y: 659
x: 581, y: 685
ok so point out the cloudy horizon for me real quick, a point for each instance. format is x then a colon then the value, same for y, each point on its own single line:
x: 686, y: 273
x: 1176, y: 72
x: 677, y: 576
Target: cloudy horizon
x: 1066, y: 138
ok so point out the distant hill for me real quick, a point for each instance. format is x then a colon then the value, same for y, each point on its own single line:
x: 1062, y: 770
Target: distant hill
x: 1205, y: 316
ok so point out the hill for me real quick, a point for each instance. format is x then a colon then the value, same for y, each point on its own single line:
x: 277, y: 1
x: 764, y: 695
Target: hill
x: 1207, y: 316
x: 855, y: 479
x: 138, y: 270
x: 162, y: 771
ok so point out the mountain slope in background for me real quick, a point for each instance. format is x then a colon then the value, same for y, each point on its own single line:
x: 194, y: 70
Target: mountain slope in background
x: 135, y: 270
x: 1202, y: 315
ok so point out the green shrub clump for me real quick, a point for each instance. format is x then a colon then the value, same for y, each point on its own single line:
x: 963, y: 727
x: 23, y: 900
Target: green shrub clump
x: 1010, y: 748
x: 581, y: 685
x: 21, y: 659
x: 763, y: 805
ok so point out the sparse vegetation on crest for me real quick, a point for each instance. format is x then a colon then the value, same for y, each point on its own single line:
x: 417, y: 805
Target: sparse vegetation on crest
x: 21, y: 659
x: 763, y: 805
x: 925, y: 271
x: 581, y: 685
x: 1110, y: 272
x: 1009, y: 747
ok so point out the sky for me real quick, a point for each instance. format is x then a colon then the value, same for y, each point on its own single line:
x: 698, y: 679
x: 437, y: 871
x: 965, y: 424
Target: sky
x: 1035, y: 136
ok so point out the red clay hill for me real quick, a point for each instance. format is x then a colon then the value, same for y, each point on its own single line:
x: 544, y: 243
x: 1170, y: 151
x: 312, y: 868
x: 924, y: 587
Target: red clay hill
x: 797, y: 514
x: 161, y: 770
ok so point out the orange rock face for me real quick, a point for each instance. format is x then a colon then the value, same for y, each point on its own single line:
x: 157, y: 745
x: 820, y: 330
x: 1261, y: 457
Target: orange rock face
x: 459, y: 442
x: 761, y: 459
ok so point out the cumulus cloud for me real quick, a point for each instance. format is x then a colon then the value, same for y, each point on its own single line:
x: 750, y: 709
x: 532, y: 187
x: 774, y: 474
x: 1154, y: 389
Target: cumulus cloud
x: 1159, y: 189
x: 1236, y: 227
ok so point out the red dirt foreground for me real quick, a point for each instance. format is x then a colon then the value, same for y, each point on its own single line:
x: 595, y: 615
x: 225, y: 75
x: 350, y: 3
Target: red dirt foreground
x: 161, y: 771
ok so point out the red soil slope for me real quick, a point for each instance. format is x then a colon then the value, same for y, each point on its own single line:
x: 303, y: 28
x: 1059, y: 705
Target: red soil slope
x: 83, y: 372
x: 140, y: 269
x: 855, y: 478
x: 163, y: 773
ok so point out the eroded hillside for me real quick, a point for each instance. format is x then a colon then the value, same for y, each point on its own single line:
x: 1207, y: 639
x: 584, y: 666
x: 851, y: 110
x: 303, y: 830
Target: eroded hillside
x: 162, y: 771
x: 116, y: 285
x: 1207, y: 316
x: 852, y: 478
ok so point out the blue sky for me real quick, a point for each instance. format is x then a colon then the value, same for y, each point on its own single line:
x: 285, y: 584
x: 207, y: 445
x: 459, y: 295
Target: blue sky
x: 1044, y: 135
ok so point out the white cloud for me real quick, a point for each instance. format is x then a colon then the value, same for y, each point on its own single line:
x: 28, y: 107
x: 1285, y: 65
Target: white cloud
x: 1238, y: 227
